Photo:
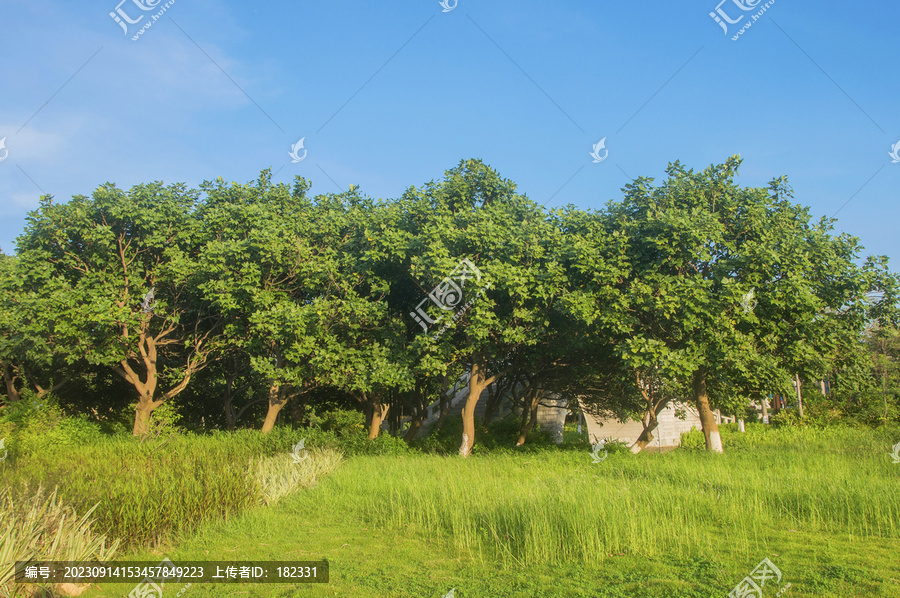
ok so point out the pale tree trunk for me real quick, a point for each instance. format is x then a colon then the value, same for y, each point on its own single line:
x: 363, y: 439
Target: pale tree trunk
x: 477, y: 383
x: 379, y: 413
x: 145, y: 388
x: 765, y: 410
x: 707, y: 417
x: 375, y: 411
x: 277, y: 400
x: 145, y: 404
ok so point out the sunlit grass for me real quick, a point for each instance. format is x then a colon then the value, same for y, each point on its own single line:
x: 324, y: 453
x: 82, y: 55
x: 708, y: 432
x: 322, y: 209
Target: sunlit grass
x: 561, y: 507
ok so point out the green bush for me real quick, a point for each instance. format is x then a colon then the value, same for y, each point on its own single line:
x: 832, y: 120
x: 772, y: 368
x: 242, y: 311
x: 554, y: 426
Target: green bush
x: 32, y: 425
x: 785, y: 419
x: 164, y: 419
x: 343, y: 422
x: 693, y: 440
x: 614, y: 445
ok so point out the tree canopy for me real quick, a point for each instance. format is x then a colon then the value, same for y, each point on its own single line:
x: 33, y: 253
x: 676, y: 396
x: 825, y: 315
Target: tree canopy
x: 693, y: 291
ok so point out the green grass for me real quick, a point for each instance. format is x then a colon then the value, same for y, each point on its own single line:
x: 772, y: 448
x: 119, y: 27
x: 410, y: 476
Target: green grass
x: 824, y: 506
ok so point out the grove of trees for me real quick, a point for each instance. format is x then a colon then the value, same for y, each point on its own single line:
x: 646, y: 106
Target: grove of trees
x: 236, y: 301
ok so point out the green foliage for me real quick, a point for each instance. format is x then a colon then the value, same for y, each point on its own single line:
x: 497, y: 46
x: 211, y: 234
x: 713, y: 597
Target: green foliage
x: 614, y: 445
x: 164, y: 420
x: 693, y: 440
x: 40, y: 425
x: 343, y: 422
x: 785, y: 418
x: 694, y: 279
x: 385, y: 444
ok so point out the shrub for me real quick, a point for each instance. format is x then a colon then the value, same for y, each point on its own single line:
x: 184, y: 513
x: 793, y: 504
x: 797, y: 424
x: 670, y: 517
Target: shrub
x: 343, y: 422
x: 693, y: 440
x: 785, y: 419
x: 33, y: 425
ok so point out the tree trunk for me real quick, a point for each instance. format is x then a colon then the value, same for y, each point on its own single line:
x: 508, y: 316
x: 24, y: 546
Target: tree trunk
x: 646, y: 436
x: 477, y: 383
x: 277, y: 400
x: 414, y: 426
x: 494, y: 397
x: 141, y: 419
x: 230, y: 419
x: 529, y: 413
x: 146, y: 388
x: 420, y: 413
x: 707, y: 417
x: 379, y: 412
x: 651, y: 411
x: 445, y: 401
x: 496, y: 394
x: 12, y: 394
x: 145, y: 404
x: 765, y: 410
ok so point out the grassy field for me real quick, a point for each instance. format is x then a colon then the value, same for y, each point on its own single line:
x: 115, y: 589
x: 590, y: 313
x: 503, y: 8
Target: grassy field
x: 823, y: 506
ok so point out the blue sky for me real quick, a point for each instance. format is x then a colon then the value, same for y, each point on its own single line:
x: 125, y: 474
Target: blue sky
x: 389, y: 95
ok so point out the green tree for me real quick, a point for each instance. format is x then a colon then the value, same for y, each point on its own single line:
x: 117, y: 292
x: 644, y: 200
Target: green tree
x: 113, y: 250
x: 35, y: 350
x: 476, y: 215
x: 729, y: 290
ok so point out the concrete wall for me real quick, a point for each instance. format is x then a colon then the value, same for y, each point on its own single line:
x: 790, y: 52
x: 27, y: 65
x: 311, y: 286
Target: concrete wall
x: 667, y: 434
